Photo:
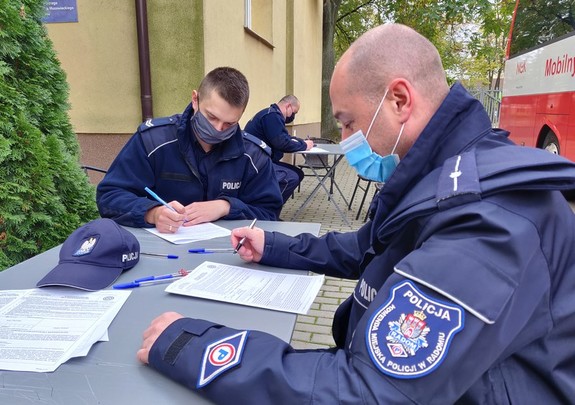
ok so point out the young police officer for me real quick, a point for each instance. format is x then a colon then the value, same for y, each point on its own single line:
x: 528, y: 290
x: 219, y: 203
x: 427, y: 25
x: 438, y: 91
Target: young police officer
x: 200, y: 161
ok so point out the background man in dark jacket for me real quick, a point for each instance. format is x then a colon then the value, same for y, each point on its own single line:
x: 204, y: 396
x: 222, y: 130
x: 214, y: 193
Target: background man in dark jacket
x: 270, y: 126
x: 200, y: 160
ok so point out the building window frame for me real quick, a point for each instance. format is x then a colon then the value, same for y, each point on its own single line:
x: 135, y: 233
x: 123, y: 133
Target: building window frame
x: 260, y: 30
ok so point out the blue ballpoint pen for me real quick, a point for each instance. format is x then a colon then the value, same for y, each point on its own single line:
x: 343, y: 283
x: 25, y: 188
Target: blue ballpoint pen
x: 160, y: 255
x: 149, y: 280
x: 158, y: 199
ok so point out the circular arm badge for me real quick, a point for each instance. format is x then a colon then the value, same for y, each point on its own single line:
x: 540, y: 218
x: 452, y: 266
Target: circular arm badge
x: 409, y: 335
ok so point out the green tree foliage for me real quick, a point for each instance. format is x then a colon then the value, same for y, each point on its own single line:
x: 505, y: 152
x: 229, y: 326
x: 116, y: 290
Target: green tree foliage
x: 471, y: 35
x: 44, y: 194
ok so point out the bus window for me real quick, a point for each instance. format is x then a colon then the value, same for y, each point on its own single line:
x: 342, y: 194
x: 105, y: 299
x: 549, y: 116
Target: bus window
x: 541, y: 21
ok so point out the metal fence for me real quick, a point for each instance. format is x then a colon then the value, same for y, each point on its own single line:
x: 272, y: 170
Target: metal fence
x: 491, y: 100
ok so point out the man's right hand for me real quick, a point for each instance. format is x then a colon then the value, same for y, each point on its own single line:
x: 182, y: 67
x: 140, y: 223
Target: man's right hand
x: 253, y: 247
x: 166, y: 220
x: 309, y: 144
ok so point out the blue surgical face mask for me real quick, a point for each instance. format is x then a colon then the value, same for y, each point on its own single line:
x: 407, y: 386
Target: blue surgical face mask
x: 207, y: 133
x: 366, y: 162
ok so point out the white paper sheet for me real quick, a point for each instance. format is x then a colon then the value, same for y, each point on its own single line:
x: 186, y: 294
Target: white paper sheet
x: 187, y: 234
x: 257, y: 288
x: 316, y: 149
x: 43, y: 328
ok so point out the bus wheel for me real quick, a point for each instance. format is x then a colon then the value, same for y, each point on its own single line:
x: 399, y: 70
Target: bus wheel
x: 551, y: 143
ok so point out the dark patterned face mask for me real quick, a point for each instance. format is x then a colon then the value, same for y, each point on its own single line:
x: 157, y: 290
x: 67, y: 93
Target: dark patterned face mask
x: 207, y: 133
x: 290, y: 118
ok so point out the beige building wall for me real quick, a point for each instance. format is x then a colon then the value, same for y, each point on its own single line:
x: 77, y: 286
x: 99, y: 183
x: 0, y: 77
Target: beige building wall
x: 100, y: 57
x: 307, y: 65
x: 287, y: 61
x: 187, y: 38
x: 176, y: 34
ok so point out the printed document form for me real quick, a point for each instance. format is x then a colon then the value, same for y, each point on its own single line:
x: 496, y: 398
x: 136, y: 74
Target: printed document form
x: 257, y: 288
x: 43, y: 328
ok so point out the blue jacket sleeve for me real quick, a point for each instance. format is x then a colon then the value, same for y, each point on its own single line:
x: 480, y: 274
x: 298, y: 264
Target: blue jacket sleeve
x: 278, y: 136
x: 334, y: 254
x: 270, y: 370
x: 121, y: 195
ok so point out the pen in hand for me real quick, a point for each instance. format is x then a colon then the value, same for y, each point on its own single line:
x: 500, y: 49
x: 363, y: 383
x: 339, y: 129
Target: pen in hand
x: 241, y: 242
x: 160, y: 200
x: 307, y: 138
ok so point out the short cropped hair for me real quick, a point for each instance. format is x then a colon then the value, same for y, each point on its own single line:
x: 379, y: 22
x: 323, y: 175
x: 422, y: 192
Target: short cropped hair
x: 395, y: 50
x: 289, y: 99
x: 229, y: 83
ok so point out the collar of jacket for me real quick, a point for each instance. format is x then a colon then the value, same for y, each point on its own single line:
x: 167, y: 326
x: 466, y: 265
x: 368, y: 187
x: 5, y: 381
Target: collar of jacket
x: 459, y: 123
x: 229, y: 149
x: 274, y: 108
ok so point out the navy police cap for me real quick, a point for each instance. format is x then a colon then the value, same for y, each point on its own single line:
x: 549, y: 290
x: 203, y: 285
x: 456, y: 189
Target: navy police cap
x: 94, y: 256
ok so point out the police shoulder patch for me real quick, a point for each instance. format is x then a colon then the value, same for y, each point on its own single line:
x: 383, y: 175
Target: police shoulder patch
x: 221, y: 356
x: 156, y: 122
x: 254, y: 139
x: 408, y: 337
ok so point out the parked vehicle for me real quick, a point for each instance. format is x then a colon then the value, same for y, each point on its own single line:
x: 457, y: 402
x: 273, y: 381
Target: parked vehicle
x: 538, y: 99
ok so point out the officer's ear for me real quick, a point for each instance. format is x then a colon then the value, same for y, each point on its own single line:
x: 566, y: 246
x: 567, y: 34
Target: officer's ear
x: 401, y: 94
x: 195, y: 100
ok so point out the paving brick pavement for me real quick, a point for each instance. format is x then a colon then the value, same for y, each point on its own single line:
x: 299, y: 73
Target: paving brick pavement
x: 313, y: 330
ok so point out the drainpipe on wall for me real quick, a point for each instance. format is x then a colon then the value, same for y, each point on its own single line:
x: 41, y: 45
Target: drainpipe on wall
x: 144, y: 59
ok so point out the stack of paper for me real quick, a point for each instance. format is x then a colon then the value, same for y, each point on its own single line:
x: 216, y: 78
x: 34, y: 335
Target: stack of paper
x: 43, y: 328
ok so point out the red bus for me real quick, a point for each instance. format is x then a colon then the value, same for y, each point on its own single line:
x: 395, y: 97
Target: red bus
x: 538, y: 98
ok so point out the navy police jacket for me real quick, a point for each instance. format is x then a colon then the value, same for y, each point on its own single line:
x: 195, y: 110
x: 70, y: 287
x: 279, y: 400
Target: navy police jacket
x: 162, y: 155
x: 465, y: 293
x: 269, y: 126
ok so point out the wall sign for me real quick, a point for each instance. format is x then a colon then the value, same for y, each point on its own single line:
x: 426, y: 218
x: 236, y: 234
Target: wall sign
x: 60, y: 11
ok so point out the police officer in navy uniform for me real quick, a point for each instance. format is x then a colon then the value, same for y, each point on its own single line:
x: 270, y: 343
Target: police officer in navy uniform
x: 199, y: 161
x: 466, y: 269
x: 270, y: 126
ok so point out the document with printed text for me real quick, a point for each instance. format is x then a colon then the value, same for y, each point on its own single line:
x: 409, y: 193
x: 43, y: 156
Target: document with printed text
x: 42, y: 328
x: 187, y: 234
x: 257, y: 288
x: 316, y: 149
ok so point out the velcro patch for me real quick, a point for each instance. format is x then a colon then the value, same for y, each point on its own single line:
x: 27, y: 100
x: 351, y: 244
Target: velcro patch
x: 409, y: 335
x: 220, y: 356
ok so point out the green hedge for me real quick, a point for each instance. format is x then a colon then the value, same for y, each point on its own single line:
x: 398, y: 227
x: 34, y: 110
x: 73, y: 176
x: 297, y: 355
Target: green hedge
x: 44, y: 194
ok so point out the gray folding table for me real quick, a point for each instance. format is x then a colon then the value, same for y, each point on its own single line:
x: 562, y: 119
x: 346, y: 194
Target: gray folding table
x: 110, y: 373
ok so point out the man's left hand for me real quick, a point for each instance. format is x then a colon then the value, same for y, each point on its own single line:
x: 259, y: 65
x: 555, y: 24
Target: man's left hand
x: 154, y: 331
x: 206, y: 211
